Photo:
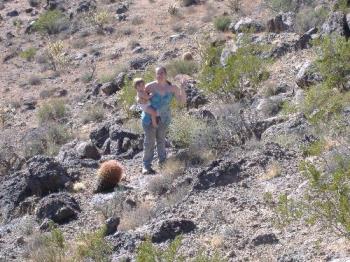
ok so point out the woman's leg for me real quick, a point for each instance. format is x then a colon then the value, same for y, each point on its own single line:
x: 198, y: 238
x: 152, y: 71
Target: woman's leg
x: 148, y: 146
x: 160, y: 137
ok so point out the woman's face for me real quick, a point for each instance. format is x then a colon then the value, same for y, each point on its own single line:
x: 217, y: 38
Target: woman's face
x: 161, y: 75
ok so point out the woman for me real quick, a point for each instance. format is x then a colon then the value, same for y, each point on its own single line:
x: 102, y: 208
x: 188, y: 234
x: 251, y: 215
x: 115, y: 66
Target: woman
x: 162, y: 94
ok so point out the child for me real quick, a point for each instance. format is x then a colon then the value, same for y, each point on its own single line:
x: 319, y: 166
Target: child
x: 143, y: 100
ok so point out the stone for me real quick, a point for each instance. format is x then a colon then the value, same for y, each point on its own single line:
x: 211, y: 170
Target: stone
x: 86, y: 6
x: 305, y: 39
x: 169, y: 229
x: 187, y: 56
x: 88, y: 150
x: 229, y: 50
x: 13, y: 13
x: 138, y: 50
x: 265, y: 239
x: 58, y: 207
x: 282, y: 22
x: 29, y: 104
x: 336, y: 24
x: 219, y: 173
x: 248, y: 24
x: 308, y: 75
x: 140, y: 62
x: 121, y: 9
x: 109, y: 88
x: 100, y: 135
x: 195, y: 98
x: 46, y: 175
x: 112, y: 224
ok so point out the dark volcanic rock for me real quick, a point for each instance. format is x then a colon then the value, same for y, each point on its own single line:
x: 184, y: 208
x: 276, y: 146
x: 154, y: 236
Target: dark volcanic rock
x: 46, y: 175
x: 13, y: 13
x: 247, y: 24
x: 336, y: 23
x: 141, y: 62
x: 169, y: 229
x: 100, y: 135
x: 281, y: 22
x: 86, y: 6
x: 219, y: 173
x: 88, y: 150
x: 265, y: 239
x: 112, y: 224
x: 58, y: 207
x: 195, y: 98
x: 121, y: 9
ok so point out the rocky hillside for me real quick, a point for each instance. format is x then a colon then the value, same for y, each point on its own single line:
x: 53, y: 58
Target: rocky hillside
x: 259, y: 157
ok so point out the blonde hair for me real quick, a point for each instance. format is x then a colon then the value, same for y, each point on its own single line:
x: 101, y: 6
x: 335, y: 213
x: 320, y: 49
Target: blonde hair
x: 138, y: 81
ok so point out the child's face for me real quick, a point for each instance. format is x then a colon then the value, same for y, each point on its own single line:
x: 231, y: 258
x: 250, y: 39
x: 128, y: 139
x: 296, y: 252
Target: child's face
x: 140, y: 87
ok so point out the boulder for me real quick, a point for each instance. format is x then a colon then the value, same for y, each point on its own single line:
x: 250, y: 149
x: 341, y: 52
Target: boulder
x: 282, y: 22
x: 336, y: 24
x: 247, y: 24
x: 13, y: 13
x: 121, y: 9
x: 100, y: 135
x: 112, y: 224
x: 46, y: 175
x: 58, y: 207
x: 55, y: 4
x: 88, y: 150
x: 140, y: 62
x: 195, y: 98
x: 305, y: 39
x: 86, y: 6
x: 169, y: 229
x: 265, y: 239
x: 219, y: 173
x: 308, y: 75
x: 113, y: 86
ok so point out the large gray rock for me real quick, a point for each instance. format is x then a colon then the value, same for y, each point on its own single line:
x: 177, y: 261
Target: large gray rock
x: 247, y: 24
x: 100, y: 135
x: 282, y: 22
x: 336, y: 24
x: 112, y: 87
x: 169, y: 229
x: 88, y: 150
x: 58, y: 207
x: 308, y: 75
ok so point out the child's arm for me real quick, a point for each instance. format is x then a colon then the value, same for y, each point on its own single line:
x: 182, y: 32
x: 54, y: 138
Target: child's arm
x: 144, y: 95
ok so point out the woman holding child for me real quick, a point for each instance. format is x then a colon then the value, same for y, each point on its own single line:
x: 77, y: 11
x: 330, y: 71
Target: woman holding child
x: 155, y: 99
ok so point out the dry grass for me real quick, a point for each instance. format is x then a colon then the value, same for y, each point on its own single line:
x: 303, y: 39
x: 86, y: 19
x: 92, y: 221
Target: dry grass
x: 272, y: 171
x: 136, y: 217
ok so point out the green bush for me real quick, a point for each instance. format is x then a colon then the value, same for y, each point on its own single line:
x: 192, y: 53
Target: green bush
x: 342, y: 5
x: 55, y: 110
x: 326, y: 201
x: 176, y: 67
x: 28, y: 54
x: 222, y: 23
x: 147, y: 252
x: 282, y: 5
x: 310, y: 17
x: 93, y: 113
x: 185, y: 129
x: 244, y: 65
x: 56, y: 136
x: 51, y: 22
x: 93, y: 246
x: 326, y: 100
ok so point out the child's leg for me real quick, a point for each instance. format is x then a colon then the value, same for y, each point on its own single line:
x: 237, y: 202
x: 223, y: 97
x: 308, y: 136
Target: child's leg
x: 150, y: 110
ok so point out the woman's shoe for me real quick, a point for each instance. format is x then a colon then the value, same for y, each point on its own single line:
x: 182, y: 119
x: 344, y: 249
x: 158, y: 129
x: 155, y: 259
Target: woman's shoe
x: 148, y: 171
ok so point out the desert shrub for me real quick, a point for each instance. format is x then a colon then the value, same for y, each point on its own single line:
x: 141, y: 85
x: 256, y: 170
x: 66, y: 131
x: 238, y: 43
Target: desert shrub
x: 56, y: 55
x: 148, y: 252
x: 173, y: 10
x: 282, y: 5
x: 55, y: 110
x: 93, y: 246
x: 34, y: 80
x: 28, y: 54
x: 93, y: 113
x: 315, y: 148
x: 136, y: 217
x: 235, y: 5
x: 137, y: 20
x: 310, y: 17
x: 56, y: 136
x: 11, y: 158
x: 51, y: 22
x: 184, y: 129
x: 176, y: 67
x: 326, y: 200
x: 49, y: 247
x: 101, y: 18
x: 326, y: 100
x: 245, y: 65
x: 342, y: 5
x: 222, y: 23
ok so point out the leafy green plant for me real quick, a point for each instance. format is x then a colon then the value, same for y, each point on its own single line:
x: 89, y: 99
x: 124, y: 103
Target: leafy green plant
x: 242, y: 66
x: 93, y: 246
x: 326, y: 100
x: 51, y: 22
x: 186, y: 67
x: 222, y: 23
x: 28, y: 54
x: 148, y: 252
x: 315, y: 148
x: 55, y: 110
